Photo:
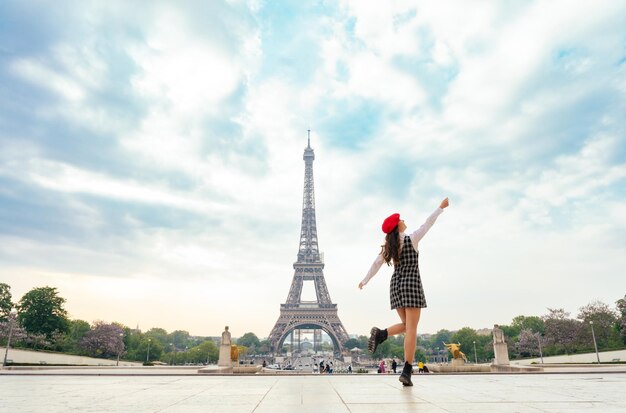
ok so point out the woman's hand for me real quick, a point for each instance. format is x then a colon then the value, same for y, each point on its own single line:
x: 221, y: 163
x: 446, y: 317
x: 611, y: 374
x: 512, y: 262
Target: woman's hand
x: 360, y: 286
x: 444, y: 203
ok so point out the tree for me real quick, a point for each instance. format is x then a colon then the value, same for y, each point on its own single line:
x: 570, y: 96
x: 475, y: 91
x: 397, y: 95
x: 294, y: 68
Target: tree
x: 528, y: 343
x: 70, y: 342
x: 132, y: 340
x: 40, y: 311
x: 5, y: 301
x: 419, y: 356
x: 209, y: 350
x: 103, y: 340
x: 264, y: 347
x: 352, y: 343
x: 11, y: 325
x: 179, y: 338
x: 36, y: 341
x: 363, y: 340
x: 621, y: 306
x: 467, y: 337
x: 603, y: 318
x: 149, y: 349
x: 510, y: 332
x: 622, y: 328
x: 562, y: 332
x: 436, y: 341
x: 532, y: 323
x: 383, y: 350
x: 621, y: 322
x: 249, y: 340
x: 158, y: 334
x: 392, y: 347
x: 195, y: 355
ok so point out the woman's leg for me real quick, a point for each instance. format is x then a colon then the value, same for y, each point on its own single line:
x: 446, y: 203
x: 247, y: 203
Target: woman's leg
x: 400, y: 327
x: 377, y: 335
x: 410, y: 338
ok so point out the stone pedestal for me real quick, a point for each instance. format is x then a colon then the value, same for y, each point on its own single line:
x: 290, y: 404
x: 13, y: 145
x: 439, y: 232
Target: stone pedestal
x: 457, y: 362
x: 501, y: 354
x: 224, y: 360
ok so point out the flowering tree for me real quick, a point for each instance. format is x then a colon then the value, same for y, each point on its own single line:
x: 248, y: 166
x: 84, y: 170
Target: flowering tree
x: 19, y: 335
x: 35, y: 341
x: 11, y: 325
x: 104, y: 340
x: 560, y: 330
x: 528, y: 343
x: 603, y: 318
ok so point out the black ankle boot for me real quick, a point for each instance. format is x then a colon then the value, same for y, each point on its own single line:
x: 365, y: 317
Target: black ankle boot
x: 405, y: 377
x: 377, y: 336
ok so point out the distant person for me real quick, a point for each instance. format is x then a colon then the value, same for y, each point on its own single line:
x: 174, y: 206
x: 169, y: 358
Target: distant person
x: 420, y: 367
x: 321, y: 366
x: 327, y: 369
x: 426, y: 369
x: 381, y: 366
x: 330, y: 371
x: 405, y: 290
x: 349, y: 368
x: 264, y: 363
x: 394, y: 366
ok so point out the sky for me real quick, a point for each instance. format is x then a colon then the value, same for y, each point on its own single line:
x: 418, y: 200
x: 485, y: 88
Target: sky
x: 151, y: 156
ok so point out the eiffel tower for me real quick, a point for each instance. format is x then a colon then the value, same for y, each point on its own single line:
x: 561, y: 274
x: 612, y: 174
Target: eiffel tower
x: 297, y: 315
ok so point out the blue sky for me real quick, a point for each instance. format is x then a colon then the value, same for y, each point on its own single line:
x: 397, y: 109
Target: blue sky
x: 151, y: 155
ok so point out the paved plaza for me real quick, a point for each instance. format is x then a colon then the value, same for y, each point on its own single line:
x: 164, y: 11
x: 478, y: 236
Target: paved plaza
x: 75, y: 391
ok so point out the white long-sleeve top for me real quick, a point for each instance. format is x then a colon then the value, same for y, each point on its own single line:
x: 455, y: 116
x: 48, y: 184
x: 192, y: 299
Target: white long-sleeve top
x: 415, y: 238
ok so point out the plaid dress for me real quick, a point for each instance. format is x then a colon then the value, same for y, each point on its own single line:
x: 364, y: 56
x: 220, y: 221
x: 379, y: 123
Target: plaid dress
x: 405, y: 289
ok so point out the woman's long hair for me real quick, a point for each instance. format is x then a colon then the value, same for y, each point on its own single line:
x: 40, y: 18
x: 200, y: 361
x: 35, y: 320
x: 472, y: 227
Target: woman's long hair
x: 391, y: 249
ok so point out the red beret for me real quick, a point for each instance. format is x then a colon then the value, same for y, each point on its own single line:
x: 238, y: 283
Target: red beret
x: 390, y: 223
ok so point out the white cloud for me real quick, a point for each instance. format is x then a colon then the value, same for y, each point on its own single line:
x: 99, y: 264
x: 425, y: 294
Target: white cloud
x: 182, y: 75
x: 45, y: 77
x: 61, y: 177
x: 375, y: 79
x: 581, y: 175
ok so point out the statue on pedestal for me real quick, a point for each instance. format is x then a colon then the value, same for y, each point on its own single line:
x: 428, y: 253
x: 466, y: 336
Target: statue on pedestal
x: 458, y: 356
x: 224, y: 360
x: 224, y: 363
x: 500, y: 350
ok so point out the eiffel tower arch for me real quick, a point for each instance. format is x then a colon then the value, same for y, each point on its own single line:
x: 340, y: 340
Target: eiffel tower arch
x: 319, y: 314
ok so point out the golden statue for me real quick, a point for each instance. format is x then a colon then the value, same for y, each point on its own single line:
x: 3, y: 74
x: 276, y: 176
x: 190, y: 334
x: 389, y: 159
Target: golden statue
x: 234, y: 353
x: 455, y: 349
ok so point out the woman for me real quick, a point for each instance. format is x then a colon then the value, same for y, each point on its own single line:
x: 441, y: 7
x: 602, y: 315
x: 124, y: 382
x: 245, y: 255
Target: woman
x: 405, y: 290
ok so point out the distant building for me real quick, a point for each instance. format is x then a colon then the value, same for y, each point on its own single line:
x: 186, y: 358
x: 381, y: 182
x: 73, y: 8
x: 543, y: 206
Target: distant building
x: 440, y: 356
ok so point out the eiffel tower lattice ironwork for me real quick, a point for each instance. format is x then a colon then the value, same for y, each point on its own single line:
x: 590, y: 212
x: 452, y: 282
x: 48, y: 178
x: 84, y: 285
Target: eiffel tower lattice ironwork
x: 319, y: 315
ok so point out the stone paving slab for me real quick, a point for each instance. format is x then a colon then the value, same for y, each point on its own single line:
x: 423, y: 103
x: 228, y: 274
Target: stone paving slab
x: 579, y: 392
